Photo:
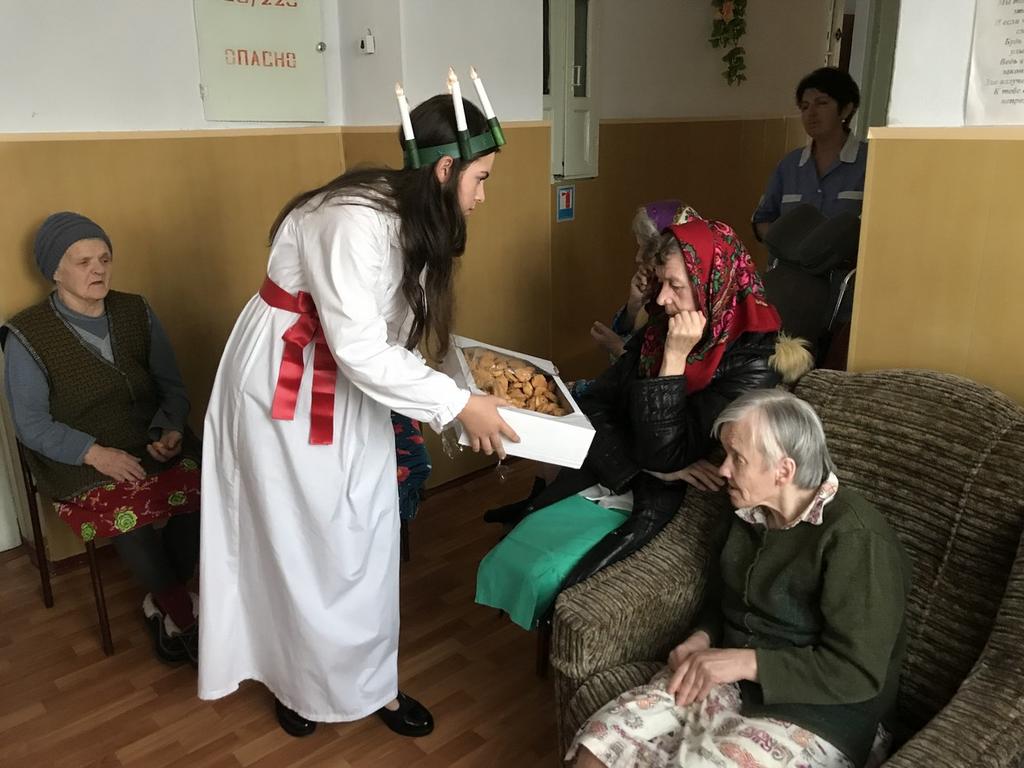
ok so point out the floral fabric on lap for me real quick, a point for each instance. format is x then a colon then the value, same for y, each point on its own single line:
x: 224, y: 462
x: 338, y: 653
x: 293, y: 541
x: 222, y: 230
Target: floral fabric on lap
x: 644, y: 727
x: 116, y: 508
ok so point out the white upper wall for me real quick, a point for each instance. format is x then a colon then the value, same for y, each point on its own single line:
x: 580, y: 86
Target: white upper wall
x: 127, y: 65
x: 655, y: 59
x: 933, y: 58
x: 417, y: 40
x: 502, y: 39
x: 97, y: 65
x: 114, y: 65
x: 368, y: 80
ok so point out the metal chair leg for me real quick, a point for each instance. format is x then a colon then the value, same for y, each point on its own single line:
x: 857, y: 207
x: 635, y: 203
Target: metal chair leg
x: 101, y: 601
x: 403, y: 541
x: 37, y: 529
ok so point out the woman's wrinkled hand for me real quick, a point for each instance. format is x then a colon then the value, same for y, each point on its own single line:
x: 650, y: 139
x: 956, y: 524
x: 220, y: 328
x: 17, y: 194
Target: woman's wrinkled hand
x: 114, y: 463
x: 702, y: 475
x: 685, y: 329
x: 640, y: 288
x: 701, y: 671
x: 167, y: 447
x: 607, y: 339
x: 698, y: 641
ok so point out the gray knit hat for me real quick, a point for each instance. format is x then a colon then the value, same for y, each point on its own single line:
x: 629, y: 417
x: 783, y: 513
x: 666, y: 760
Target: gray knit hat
x: 58, y: 233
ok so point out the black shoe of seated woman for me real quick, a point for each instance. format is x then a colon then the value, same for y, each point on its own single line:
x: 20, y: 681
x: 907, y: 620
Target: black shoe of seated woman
x: 292, y: 722
x: 512, y: 513
x: 410, y: 719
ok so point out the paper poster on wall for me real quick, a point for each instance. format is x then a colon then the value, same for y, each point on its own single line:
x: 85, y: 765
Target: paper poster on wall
x: 995, y: 88
x: 565, y: 203
x: 259, y: 60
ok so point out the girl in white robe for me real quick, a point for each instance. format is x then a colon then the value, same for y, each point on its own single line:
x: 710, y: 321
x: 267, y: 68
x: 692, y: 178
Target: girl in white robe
x: 300, y: 524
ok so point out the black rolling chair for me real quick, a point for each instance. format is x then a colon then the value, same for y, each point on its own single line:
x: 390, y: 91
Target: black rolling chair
x: 811, y: 274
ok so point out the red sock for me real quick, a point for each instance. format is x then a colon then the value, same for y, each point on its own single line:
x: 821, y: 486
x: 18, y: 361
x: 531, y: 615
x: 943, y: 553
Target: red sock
x: 176, y: 602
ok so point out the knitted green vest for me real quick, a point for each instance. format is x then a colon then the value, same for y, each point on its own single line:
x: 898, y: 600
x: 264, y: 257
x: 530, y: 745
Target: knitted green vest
x: 113, y: 402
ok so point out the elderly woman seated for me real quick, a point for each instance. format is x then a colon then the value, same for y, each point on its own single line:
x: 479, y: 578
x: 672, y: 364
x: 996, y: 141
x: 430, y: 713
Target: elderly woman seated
x: 795, y: 656
x: 711, y: 337
x: 99, y: 405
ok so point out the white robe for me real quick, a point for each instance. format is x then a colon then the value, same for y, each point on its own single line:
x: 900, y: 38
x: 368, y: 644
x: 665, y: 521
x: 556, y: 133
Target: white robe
x: 299, y: 567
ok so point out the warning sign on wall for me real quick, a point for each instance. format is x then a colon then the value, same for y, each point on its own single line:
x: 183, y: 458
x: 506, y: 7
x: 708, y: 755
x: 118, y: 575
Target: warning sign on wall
x: 565, y: 203
x: 259, y: 60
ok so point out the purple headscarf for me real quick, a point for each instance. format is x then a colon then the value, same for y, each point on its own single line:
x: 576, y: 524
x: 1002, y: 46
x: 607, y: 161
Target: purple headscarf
x: 666, y: 213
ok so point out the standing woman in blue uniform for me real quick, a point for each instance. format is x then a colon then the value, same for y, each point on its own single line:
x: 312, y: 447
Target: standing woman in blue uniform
x: 829, y: 172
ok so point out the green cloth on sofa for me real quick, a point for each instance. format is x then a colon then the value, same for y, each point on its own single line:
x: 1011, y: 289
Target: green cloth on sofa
x: 524, y: 572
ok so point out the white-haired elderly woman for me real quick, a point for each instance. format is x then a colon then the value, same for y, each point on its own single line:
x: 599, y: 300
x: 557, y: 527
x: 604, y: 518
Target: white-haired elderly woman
x: 795, y: 655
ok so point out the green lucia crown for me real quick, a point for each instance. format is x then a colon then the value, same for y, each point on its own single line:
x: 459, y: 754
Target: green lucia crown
x: 465, y: 147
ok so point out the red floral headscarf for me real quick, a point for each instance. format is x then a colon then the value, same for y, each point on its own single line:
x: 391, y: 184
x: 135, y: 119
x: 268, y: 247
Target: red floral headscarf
x: 728, y: 291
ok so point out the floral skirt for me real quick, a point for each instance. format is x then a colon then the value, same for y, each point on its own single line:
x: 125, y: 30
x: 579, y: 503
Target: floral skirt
x: 644, y: 727
x: 116, y: 508
x: 413, y: 463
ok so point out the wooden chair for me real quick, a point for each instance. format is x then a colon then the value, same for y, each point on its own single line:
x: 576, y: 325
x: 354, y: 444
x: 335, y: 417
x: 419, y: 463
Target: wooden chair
x: 44, y: 570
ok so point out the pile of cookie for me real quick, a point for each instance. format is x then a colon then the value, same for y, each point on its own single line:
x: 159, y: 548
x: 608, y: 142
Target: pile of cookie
x: 516, y: 381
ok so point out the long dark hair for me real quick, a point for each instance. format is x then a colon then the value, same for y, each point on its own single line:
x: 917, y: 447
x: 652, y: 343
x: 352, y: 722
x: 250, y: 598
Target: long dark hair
x: 433, y: 231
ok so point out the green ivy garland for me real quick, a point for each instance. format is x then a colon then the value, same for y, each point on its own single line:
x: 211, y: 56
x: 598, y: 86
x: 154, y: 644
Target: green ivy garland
x: 727, y: 30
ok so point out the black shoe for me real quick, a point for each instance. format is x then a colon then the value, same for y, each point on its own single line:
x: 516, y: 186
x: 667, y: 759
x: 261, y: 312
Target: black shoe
x: 188, y: 640
x: 292, y: 722
x: 410, y: 719
x: 512, y: 513
x: 167, y: 648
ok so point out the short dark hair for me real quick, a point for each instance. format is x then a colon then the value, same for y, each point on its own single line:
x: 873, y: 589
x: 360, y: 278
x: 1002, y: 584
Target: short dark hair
x: 834, y: 82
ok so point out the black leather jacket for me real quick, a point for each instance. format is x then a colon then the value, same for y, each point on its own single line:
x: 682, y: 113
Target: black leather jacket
x: 652, y: 424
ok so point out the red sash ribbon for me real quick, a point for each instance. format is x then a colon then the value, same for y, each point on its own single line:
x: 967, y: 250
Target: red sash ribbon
x: 306, y: 330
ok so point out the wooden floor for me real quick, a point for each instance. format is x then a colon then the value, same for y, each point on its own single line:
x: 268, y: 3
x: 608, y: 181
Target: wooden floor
x: 63, y: 704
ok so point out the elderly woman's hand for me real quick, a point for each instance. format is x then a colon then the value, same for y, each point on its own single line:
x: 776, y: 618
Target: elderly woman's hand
x: 640, y: 290
x: 702, y: 475
x: 167, y: 447
x: 698, y: 641
x: 114, y: 463
x: 701, y: 671
x: 685, y: 329
x: 607, y: 339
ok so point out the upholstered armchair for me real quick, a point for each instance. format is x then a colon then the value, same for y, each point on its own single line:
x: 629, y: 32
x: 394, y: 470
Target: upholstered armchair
x: 943, y: 458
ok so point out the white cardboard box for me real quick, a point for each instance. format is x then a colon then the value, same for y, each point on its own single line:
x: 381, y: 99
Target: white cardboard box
x: 562, y: 440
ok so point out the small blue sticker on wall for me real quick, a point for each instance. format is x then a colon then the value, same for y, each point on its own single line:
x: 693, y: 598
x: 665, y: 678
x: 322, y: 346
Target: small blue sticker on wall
x: 566, y: 203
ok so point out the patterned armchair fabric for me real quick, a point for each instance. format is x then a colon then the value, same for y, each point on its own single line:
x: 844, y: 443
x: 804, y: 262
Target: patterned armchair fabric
x: 943, y: 458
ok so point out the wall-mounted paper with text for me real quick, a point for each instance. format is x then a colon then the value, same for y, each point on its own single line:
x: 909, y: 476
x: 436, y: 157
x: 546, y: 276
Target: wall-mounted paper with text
x: 995, y: 88
x: 259, y: 60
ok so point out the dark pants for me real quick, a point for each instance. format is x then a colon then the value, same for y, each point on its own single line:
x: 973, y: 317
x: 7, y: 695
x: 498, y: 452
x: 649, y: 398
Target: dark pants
x: 161, y: 559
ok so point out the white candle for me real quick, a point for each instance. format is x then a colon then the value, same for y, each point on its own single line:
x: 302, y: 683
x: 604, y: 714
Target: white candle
x: 460, y: 110
x: 403, y: 108
x: 481, y: 93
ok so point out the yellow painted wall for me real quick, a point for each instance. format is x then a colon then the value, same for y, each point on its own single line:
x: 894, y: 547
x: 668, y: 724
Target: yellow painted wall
x: 720, y: 167
x: 941, y: 257
x: 188, y: 218
x: 188, y: 215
